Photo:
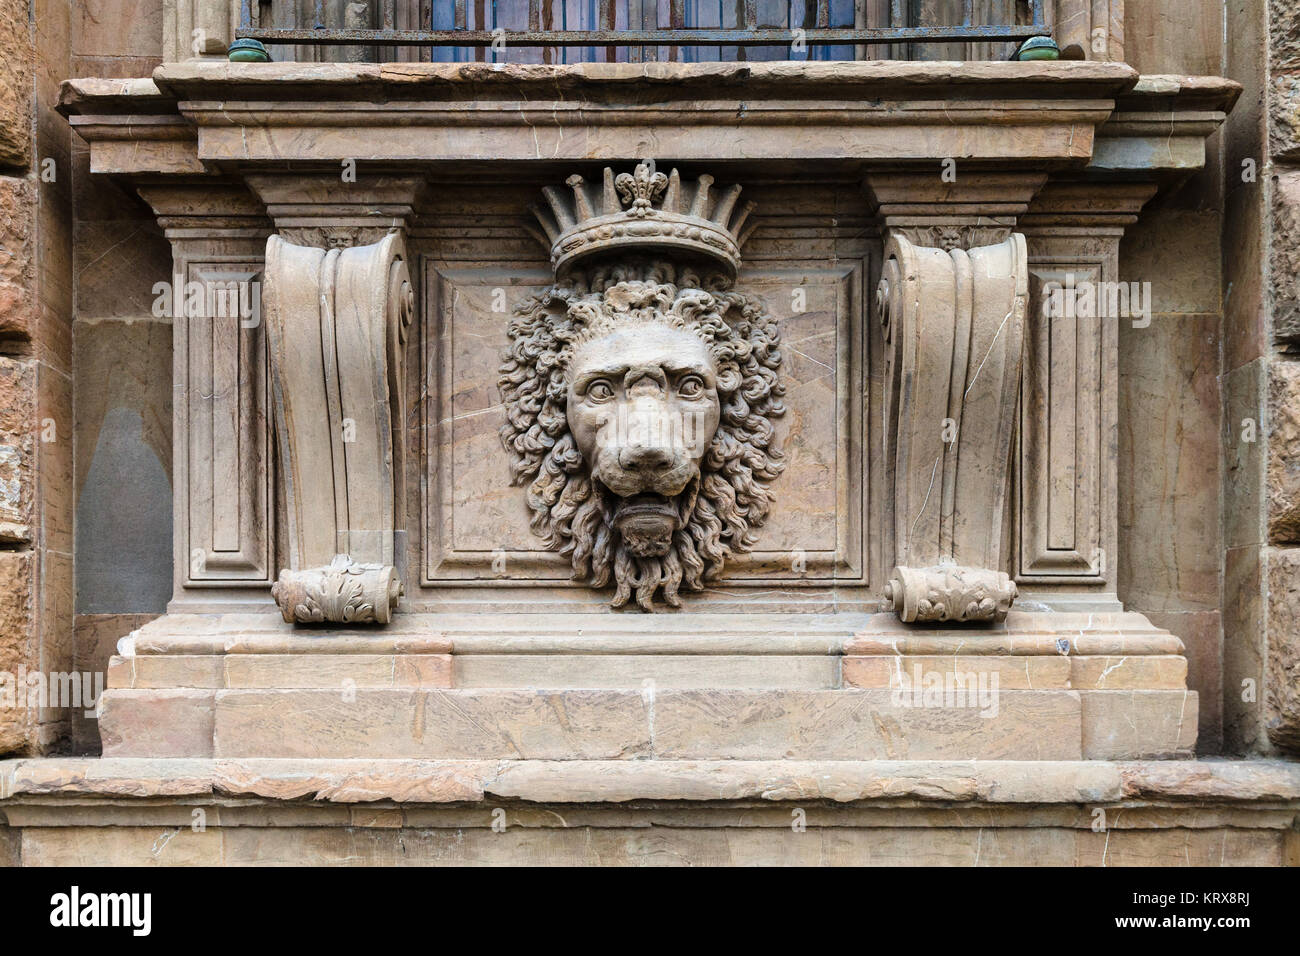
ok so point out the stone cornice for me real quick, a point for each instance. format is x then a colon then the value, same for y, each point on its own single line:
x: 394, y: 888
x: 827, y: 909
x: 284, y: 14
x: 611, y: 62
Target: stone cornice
x: 649, y: 83
x: 1160, y: 126
x: 209, y: 117
x: 867, y: 112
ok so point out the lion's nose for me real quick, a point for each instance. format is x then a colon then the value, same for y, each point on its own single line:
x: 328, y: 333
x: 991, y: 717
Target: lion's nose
x: 646, y: 458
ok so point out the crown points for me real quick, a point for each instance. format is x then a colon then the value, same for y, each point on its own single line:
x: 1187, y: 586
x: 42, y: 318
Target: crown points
x: 640, y: 189
x: 641, y: 210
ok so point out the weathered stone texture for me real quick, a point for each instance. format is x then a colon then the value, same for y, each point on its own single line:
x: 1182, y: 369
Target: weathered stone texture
x: 15, y: 84
x: 17, y: 260
x: 1284, y: 118
x: 1283, y: 479
x: 1284, y: 34
x: 96, y: 637
x: 1282, y: 682
x: 123, y: 465
x: 1285, y: 257
x: 1173, y: 36
x: 17, y: 617
x: 1169, y: 408
x: 17, y: 449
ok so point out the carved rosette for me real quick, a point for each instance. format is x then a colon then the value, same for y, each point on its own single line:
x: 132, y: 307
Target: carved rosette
x: 949, y: 594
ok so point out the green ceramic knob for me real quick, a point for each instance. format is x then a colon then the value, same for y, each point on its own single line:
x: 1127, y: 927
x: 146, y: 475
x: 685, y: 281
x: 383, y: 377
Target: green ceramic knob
x: 248, y: 51
x: 1038, y: 48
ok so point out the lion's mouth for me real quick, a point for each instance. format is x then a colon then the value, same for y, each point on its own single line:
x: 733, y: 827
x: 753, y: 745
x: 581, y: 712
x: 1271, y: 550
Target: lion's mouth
x: 646, y: 523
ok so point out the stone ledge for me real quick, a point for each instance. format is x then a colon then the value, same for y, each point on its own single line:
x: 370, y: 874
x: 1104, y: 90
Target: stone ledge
x: 652, y: 81
x: 1200, y: 783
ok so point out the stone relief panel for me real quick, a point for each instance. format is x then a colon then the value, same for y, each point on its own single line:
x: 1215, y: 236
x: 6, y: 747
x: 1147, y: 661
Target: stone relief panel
x: 641, y: 415
x: 479, y: 527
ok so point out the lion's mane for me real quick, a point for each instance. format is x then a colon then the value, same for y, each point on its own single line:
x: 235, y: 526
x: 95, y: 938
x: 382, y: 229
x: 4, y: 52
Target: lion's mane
x: 573, y: 512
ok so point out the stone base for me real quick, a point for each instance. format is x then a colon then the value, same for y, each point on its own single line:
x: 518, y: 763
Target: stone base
x: 82, y: 812
x: 683, y: 687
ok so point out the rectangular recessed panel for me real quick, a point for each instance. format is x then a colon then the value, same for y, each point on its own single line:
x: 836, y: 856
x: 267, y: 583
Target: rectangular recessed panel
x: 478, y: 523
x: 1059, y: 467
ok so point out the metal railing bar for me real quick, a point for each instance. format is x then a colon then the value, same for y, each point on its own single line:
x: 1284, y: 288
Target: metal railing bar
x: 687, y: 37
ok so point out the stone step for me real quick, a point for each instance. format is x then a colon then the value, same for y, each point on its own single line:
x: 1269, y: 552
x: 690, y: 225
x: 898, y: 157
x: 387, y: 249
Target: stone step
x: 556, y: 671
x: 635, y: 671
x: 651, y: 723
x: 1023, y: 634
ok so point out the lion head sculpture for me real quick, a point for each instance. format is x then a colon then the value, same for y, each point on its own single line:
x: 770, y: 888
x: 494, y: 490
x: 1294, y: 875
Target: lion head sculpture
x: 640, y: 401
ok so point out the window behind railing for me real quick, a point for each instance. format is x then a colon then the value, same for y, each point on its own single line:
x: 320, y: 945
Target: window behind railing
x: 575, y: 31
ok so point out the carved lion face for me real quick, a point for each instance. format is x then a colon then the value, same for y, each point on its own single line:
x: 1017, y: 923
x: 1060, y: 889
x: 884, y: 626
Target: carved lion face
x: 639, y: 413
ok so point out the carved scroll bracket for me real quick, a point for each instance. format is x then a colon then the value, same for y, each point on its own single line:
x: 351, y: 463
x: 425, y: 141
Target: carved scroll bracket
x: 953, y: 331
x: 336, y: 323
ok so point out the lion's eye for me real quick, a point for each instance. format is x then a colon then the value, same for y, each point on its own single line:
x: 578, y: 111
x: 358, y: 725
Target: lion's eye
x: 600, y: 391
x: 691, y: 387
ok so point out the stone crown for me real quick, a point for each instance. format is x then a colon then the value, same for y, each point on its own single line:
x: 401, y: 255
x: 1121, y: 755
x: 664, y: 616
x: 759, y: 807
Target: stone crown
x: 643, y: 210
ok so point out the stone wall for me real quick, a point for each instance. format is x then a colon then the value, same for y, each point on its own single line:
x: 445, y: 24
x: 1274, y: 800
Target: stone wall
x: 122, y: 366
x: 1170, y: 486
x: 1261, y: 369
x: 36, y: 420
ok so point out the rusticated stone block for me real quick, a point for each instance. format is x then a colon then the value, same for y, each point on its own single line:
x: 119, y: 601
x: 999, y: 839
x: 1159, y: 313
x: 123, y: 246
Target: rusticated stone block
x: 1284, y: 33
x: 15, y: 84
x: 17, y: 723
x: 17, y: 449
x: 1282, y: 674
x: 1284, y: 452
x: 1284, y: 119
x: 1285, y: 252
x: 17, y: 258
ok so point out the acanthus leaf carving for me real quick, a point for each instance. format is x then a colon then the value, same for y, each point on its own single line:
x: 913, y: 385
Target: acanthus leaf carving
x: 949, y: 593
x: 343, y: 592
